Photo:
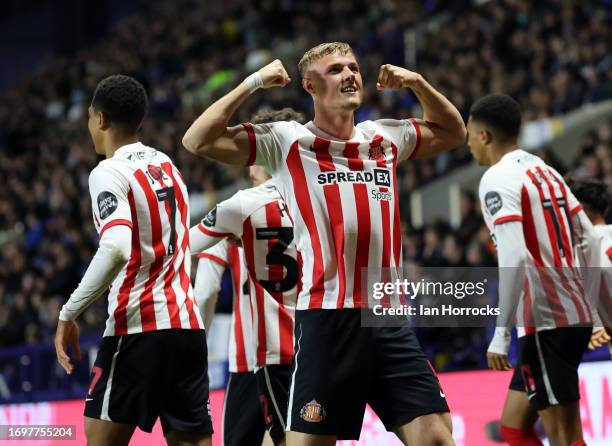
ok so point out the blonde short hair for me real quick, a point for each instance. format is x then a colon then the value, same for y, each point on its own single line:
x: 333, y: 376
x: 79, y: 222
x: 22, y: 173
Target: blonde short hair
x: 321, y: 50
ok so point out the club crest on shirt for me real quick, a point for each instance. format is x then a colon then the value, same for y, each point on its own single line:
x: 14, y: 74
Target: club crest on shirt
x: 107, y: 204
x: 493, y: 201
x: 211, y: 218
x: 312, y: 412
x: 155, y: 172
x: 376, y: 152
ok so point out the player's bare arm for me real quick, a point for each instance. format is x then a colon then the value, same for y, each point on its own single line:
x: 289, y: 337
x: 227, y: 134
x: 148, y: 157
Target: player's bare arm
x: 67, y: 335
x: 442, y: 127
x: 209, y: 135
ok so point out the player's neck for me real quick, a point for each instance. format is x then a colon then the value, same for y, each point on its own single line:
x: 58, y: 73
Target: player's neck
x: 499, y: 151
x: 598, y: 220
x: 340, y: 125
x: 116, y: 141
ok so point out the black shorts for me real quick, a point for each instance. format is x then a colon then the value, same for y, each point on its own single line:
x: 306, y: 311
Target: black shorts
x: 139, y: 377
x: 547, y: 368
x: 273, y: 382
x: 243, y: 419
x: 340, y: 366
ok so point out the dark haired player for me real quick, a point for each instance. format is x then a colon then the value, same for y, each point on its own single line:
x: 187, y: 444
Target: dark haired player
x: 539, y: 228
x: 153, y: 358
x: 258, y: 217
x: 595, y: 197
x: 261, y: 337
x: 338, y: 180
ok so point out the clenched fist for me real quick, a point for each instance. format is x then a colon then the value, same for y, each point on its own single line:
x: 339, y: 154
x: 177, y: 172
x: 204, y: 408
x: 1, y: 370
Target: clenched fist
x: 394, y: 77
x: 274, y: 75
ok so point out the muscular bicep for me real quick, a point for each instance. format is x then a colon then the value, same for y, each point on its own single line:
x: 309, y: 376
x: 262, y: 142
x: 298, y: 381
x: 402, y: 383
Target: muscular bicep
x: 233, y: 147
x: 433, y: 139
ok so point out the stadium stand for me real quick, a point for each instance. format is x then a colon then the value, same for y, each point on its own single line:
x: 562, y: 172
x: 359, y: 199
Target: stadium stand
x: 551, y: 65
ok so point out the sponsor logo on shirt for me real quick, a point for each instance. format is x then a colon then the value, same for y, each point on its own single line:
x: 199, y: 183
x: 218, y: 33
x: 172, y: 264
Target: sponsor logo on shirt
x: 380, y: 177
x: 381, y: 195
x: 107, y: 204
x: 312, y: 412
x: 493, y: 201
x: 211, y: 218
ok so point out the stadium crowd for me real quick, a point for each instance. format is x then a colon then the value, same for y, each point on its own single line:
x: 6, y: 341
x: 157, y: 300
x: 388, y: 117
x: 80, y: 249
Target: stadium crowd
x: 546, y: 54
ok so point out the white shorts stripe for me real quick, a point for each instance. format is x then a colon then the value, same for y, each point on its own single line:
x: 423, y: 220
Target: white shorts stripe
x: 271, y: 392
x: 109, y: 385
x: 552, y: 399
x: 290, y: 407
x: 227, y: 392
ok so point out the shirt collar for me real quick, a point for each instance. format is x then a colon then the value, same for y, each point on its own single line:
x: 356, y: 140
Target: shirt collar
x: 129, y: 148
x: 516, y: 153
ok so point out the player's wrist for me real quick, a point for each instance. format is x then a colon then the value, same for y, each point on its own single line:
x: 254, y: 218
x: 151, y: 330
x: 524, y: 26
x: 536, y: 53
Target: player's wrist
x: 254, y: 82
x: 65, y: 315
x: 500, y: 344
x: 415, y: 83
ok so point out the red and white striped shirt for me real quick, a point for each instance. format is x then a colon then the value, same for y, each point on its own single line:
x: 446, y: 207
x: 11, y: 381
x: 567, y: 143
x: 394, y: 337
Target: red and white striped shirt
x: 258, y: 216
x: 605, y: 234
x: 522, y: 188
x: 343, y: 198
x: 604, y: 304
x: 212, y: 263
x: 141, y: 188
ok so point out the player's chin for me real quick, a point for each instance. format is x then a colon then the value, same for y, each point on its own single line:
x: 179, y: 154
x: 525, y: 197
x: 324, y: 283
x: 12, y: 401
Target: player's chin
x: 352, y: 103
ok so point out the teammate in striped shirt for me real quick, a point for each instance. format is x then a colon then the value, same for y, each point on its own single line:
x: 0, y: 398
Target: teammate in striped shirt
x: 243, y: 418
x: 240, y: 420
x: 153, y: 358
x: 540, y: 229
x: 339, y: 183
x: 595, y: 197
x: 258, y: 217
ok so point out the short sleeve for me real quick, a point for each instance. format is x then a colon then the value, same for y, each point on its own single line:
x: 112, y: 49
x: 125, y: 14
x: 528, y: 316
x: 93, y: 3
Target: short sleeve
x: 109, y: 198
x: 224, y: 219
x: 218, y: 254
x: 269, y: 143
x: 405, y: 134
x: 573, y: 204
x: 500, y: 198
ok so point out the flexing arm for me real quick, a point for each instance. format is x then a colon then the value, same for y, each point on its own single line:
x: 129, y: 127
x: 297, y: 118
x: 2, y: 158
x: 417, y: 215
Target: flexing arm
x: 210, y: 135
x: 442, y: 127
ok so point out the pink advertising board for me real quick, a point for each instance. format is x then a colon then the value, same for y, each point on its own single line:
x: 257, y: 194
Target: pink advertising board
x: 475, y: 399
